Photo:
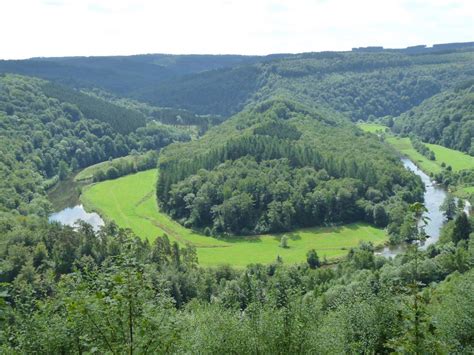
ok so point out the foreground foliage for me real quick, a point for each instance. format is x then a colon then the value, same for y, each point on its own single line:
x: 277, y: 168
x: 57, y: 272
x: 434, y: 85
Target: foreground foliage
x: 74, y: 291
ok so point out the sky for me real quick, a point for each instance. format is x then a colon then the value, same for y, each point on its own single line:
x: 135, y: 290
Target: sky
x: 50, y: 28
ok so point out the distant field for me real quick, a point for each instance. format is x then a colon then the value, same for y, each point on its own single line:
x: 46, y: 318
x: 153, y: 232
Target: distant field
x: 457, y: 160
x: 372, y: 127
x: 130, y: 201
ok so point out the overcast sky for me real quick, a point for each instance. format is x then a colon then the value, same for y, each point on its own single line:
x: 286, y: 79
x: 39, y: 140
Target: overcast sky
x: 31, y: 28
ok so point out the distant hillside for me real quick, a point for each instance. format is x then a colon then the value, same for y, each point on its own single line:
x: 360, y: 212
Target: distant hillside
x: 368, y: 85
x: 363, y: 84
x: 121, y: 119
x: 121, y: 74
x: 446, y: 119
x: 222, y: 91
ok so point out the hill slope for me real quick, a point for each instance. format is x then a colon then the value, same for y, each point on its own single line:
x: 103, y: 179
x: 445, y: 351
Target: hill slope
x: 446, y: 119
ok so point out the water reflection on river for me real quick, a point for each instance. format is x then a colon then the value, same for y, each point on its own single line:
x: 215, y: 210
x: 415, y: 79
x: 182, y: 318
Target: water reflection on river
x: 70, y: 215
x: 434, y: 198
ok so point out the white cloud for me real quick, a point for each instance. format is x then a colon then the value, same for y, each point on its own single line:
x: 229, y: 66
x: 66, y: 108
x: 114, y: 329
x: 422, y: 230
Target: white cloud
x: 100, y: 27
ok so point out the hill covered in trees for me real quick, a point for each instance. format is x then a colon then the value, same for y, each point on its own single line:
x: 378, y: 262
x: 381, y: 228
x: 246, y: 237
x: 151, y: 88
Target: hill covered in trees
x: 44, y: 138
x: 278, y: 165
x: 369, y: 85
x: 446, y: 118
x: 120, y: 74
x: 360, y: 84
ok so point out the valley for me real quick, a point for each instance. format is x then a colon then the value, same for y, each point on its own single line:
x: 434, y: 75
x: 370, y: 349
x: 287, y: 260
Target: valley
x: 297, y: 203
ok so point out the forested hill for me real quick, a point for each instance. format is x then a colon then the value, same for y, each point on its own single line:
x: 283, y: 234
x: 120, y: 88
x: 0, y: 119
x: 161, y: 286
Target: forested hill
x: 446, y: 118
x: 278, y: 165
x: 369, y: 85
x: 359, y: 84
x: 46, y: 133
x: 121, y: 74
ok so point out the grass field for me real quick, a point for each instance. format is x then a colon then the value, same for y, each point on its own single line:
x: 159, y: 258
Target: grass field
x: 131, y: 202
x: 372, y: 127
x: 465, y: 192
x: 458, y: 160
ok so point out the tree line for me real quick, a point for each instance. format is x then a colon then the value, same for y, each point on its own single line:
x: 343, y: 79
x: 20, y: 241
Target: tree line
x: 422, y: 148
x: 68, y: 290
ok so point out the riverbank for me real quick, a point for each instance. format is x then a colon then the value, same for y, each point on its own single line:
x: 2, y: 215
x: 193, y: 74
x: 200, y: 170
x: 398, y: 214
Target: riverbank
x: 444, y: 157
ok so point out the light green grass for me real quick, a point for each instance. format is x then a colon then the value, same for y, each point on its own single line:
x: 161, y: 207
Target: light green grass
x: 372, y: 127
x: 458, y: 160
x: 465, y: 192
x: 131, y: 202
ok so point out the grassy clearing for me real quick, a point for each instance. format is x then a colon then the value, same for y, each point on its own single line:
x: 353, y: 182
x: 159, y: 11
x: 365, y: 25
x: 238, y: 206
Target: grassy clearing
x: 130, y: 201
x: 457, y: 160
x: 372, y: 127
x: 465, y: 192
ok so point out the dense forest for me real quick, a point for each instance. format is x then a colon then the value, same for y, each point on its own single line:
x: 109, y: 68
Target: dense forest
x: 358, y: 84
x: 245, y: 145
x: 72, y: 291
x: 279, y: 165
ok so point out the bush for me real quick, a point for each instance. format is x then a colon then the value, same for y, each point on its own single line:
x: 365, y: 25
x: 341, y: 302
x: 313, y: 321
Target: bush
x: 112, y: 173
x: 284, y: 241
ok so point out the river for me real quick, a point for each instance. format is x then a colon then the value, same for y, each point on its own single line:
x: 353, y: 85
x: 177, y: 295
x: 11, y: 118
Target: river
x: 434, y: 197
x: 70, y: 215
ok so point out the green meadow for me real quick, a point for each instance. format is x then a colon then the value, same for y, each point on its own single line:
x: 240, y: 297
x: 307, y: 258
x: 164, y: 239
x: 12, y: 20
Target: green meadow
x: 372, y: 127
x: 458, y: 160
x: 131, y: 202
